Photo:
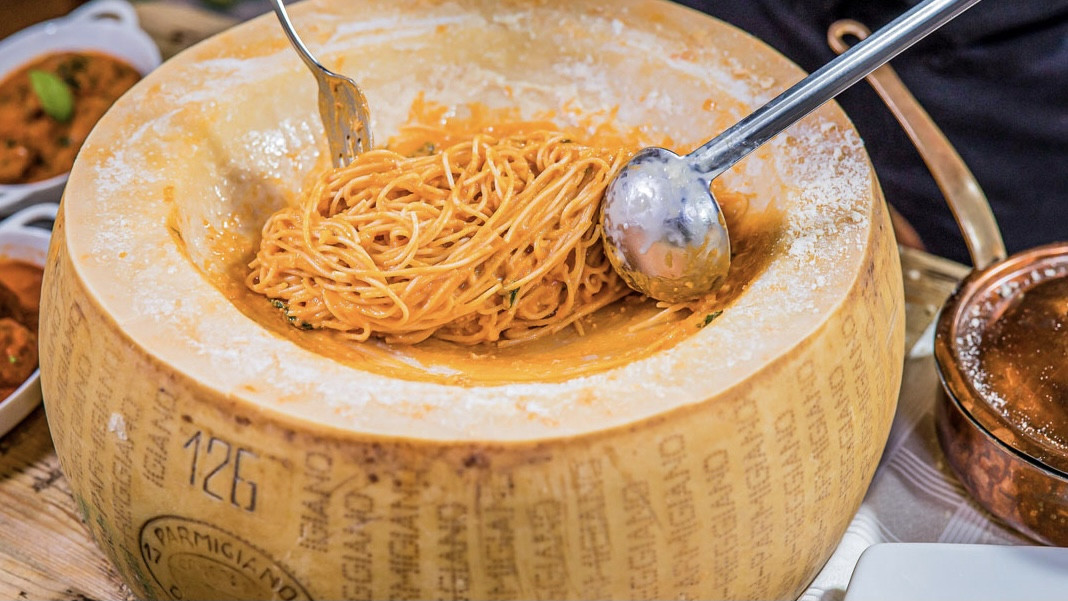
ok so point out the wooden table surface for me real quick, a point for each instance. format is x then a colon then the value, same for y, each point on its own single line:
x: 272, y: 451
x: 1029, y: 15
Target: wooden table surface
x: 45, y: 549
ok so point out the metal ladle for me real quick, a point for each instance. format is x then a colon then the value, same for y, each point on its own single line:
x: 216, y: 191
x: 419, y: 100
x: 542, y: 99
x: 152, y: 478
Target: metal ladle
x: 342, y: 105
x: 663, y: 229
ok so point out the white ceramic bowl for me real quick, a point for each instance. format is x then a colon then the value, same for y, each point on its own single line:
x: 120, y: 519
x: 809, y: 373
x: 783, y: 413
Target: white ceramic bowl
x: 24, y: 242
x: 109, y: 26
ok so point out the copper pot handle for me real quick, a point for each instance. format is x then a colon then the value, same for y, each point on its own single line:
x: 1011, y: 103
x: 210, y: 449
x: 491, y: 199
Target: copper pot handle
x: 962, y: 192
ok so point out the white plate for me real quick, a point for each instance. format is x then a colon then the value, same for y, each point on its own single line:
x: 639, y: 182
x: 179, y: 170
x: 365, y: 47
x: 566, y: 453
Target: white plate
x: 945, y: 572
x: 109, y: 26
x: 23, y: 242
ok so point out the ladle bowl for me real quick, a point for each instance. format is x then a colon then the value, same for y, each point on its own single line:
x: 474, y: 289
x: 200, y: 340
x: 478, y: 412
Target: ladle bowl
x: 683, y: 247
x: 661, y: 224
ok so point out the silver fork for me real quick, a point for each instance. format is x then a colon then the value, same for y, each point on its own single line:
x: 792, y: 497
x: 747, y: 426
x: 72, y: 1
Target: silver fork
x: 342, y: 105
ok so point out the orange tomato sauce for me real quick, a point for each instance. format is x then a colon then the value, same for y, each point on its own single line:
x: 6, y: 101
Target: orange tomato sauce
x: 20, y: 303
x: 35, y: 146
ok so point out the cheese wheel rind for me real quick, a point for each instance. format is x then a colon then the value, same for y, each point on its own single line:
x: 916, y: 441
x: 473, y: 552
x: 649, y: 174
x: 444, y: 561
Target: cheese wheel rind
x: 213, y: 459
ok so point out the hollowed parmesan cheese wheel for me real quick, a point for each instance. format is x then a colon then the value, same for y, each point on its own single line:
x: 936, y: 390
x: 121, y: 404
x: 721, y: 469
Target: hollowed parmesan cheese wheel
x: 218, y: 454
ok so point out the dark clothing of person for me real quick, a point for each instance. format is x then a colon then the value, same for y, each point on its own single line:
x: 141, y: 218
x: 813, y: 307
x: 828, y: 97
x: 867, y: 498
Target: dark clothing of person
x: 995, y: 80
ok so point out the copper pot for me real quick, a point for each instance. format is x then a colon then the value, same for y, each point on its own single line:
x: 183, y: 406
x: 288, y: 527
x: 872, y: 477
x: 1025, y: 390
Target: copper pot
x: 1001, y: 350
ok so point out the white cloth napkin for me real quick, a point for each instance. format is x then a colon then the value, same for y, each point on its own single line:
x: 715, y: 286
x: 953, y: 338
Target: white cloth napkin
x: 914, y: 495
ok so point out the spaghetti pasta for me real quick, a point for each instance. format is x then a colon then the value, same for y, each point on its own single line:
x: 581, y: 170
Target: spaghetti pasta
x: 494, y: 239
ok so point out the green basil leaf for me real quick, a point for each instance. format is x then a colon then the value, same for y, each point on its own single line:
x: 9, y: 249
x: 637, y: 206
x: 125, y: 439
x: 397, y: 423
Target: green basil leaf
x: 56, y: 99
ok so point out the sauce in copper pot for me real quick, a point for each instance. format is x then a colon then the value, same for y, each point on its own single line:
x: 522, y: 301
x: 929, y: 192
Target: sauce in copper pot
x: 1022, y: 358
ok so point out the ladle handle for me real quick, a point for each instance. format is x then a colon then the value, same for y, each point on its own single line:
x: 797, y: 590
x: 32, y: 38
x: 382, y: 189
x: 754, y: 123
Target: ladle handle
x: 962, y: 192
x: 805, y: 96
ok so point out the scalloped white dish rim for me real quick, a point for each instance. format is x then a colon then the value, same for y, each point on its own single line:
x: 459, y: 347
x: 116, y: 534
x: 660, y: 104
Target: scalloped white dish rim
x: 109, y: 26
x: 19, y: 240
